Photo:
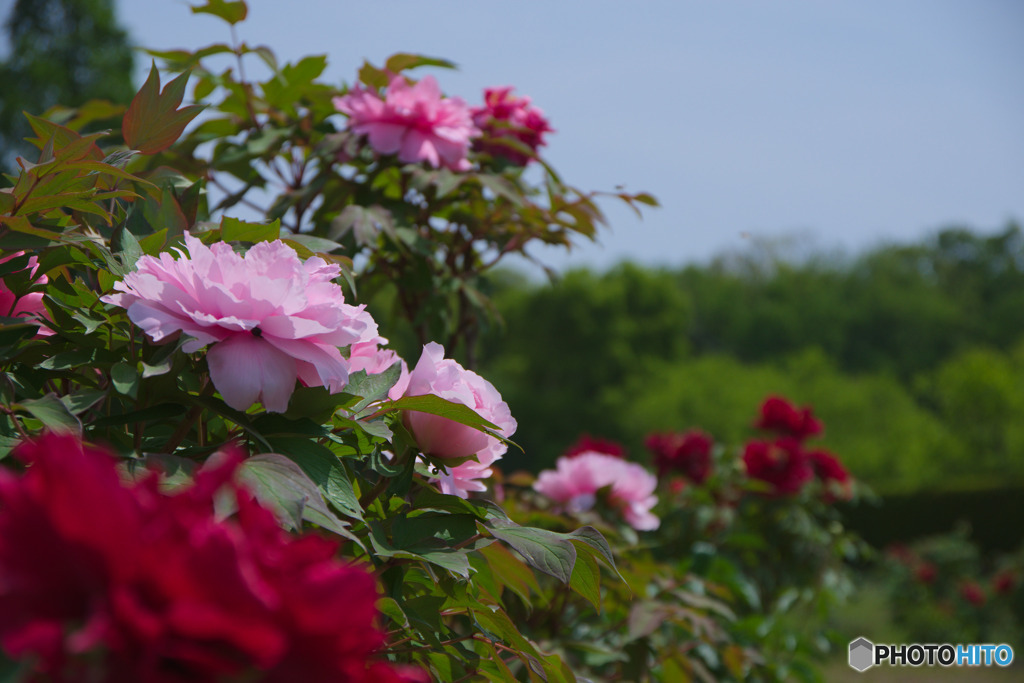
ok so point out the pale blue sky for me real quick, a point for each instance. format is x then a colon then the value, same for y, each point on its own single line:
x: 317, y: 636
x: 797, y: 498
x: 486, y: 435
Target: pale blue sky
x: 848, y: 123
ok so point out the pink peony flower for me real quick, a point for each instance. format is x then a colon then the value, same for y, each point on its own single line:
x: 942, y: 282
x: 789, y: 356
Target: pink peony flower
x: 926, y: 573
x: 444, y: 438
x: 369, y: 356
x: 102, y: 581
x: 576, y: 480
x: 271, y: 318
x: 507, y: 117
x: 28, y: 305
x: 779, y: 415
x: 415, y: 121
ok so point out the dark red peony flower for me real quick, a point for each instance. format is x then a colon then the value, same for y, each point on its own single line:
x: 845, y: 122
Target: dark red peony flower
x: 688, y: 453
x: 901, y: 553
x: 97, y: 576
x: 827, y: 467
x: 779, y: 415
x: 781, y: 463
x: 590, y: 444
x: 972, y: 592
x: 504, y: 118
x: 1004, y: 582
x: 926, y: 573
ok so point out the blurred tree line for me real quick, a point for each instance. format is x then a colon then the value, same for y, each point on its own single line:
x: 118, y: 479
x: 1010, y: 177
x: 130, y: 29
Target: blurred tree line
x: 912, y: 354
x: 60, y: 52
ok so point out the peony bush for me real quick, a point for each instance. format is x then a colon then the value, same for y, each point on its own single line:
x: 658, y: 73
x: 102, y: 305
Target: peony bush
x: 215, y: 467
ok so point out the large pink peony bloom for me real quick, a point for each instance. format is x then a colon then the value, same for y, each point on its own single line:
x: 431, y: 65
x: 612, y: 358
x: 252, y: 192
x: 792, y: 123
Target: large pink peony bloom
x: 415, y: 121
x: 270, y: 317
x: 576, y: 480
x: 105, y: 582
x: 507, y: 117
x: 28, y: 305
x: 444, y: 438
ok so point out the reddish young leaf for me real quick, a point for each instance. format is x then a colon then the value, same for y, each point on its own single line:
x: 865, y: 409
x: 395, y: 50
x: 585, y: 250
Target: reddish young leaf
x: 153, y: 121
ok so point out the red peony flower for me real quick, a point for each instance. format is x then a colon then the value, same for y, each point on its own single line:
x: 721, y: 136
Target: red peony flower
x: 590, y: 444
x: 827, y: 467
x: 926, y: 573
x: 831, y: 473
x: 783, y: 464
x: 1004, y: 582
x: 779, y: 415
x: 972, y: 592
x: 105, y: 582
x: 506, y: 117
x: 688, y: 453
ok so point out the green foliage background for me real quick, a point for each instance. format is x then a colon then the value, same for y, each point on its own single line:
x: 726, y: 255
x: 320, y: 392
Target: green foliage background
x: 911, y: 354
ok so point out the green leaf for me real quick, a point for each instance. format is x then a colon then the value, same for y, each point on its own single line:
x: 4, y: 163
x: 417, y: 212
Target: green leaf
x: 235, y: 230
x: 391, y: 609
x: 586, y: 579
x: 325, y: 470
x: 402, y: 61
x: 163, y: 411
x: 231, y: 11
x: 153, y: 121
x: 80, y: 401
x: 511, y: 572
x: 317, y: 245
x: 372, y: 387
x: 284, y: 488
x: 547, y: 551
x: 435, y: 405
x: 125, y: 379
x: 52, y: 413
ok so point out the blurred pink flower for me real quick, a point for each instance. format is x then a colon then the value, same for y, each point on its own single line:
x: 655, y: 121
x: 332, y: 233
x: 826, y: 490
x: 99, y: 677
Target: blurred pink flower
x: 507, y: 117
x: 369, y: 356
x: 444, y: 438
x: 270, y: 317
x: 576, y: 480
x: 415, y: 121
x: 28, y: 305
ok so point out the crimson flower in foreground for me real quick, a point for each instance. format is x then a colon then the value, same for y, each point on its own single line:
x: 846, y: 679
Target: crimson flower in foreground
x: 507, y: 117
x: 575, y: 482
x: 414, y: 121
x: 100, y: 581
x: 781, y: 463
x: 443, y: 438
x: 688, y: 453
x: 271, y: 317
x: 779, y: 415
